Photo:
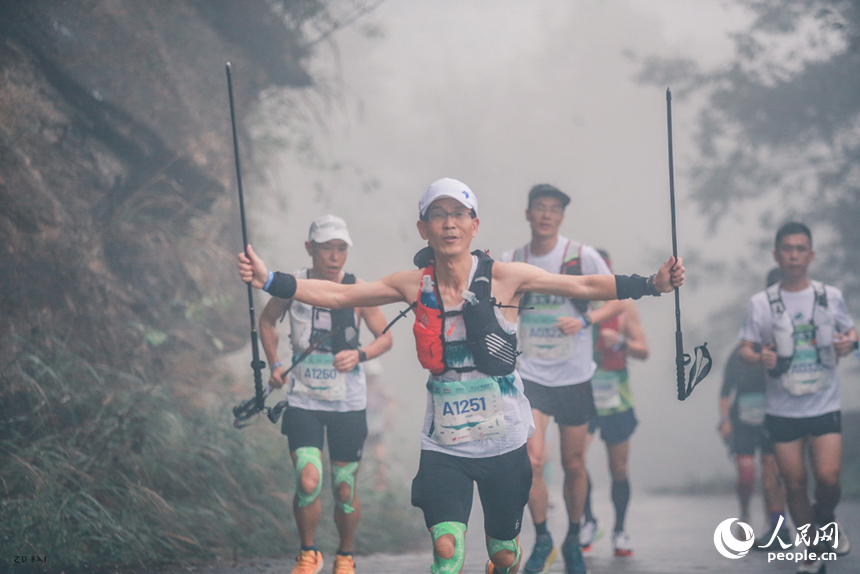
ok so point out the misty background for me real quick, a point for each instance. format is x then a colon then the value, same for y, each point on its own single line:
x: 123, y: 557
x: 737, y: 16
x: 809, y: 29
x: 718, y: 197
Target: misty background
x: 124, y: 327
x: 504, y: 95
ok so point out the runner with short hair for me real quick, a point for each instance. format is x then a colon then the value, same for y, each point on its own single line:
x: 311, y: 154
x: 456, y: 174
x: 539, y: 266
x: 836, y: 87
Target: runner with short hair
x: 326, y: 392
x: 557, y: 365
x: 742, y: 413
x: 615, y: 340
x: 803, y: 328
x: 477, y: 418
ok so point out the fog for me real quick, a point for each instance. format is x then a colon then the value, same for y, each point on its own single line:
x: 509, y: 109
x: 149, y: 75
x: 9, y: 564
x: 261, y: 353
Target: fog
x: 504, y: 95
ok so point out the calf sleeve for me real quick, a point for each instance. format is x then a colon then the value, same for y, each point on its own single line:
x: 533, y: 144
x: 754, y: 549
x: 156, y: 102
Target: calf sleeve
x: 620, y: 498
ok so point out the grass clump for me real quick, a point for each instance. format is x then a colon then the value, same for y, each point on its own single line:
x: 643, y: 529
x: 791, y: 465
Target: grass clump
x: 100, y: 467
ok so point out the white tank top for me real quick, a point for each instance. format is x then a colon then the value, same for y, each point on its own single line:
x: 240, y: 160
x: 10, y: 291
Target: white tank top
x: 514, y: 407
x: 301, y: 323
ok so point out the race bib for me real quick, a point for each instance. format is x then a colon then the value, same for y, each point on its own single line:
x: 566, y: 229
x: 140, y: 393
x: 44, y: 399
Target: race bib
x: 605, y: 386
x: 751, y: 408
x: 806, y: 375
x: 542, y: 339
x: 464, y: 411
x: 316, y: 378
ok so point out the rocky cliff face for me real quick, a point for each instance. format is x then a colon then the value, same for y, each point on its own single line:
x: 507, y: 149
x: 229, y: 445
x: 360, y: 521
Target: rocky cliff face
x: 118, y: 212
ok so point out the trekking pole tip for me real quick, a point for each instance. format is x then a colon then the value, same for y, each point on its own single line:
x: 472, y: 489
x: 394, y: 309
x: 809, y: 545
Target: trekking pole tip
x: 668, y: 92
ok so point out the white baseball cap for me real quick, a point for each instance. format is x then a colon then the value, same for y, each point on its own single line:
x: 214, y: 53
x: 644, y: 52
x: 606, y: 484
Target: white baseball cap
x: 447, y: 187
x: 329, y: 227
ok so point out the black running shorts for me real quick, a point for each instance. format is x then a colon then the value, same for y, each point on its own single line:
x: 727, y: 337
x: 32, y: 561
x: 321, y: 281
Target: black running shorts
x: 785, y: 429
x: 615, y: 428
x: 443, y: 489
x: 571, y: 405
x: 746, y: 439
x: 346, y: 431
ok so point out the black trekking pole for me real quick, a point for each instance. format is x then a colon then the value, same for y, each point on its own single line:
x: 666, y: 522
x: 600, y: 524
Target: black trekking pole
x: 682, y: 359
x: 247, y: 408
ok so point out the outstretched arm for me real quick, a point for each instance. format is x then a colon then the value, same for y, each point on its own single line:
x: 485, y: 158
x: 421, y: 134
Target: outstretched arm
x: 326, y: 294
x: 592, y: 287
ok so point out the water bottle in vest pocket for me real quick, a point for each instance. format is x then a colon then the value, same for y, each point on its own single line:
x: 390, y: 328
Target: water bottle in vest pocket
x: 427, y: 328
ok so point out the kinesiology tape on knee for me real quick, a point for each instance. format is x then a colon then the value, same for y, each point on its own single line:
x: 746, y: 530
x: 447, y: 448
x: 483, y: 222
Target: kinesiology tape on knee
x: 453, y: 564
x: 494, y: 546
x: 340, y: 475
x: 304, y: 456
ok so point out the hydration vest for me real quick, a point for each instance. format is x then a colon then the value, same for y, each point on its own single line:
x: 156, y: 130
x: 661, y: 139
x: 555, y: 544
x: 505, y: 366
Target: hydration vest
x: 493, y: 349
x: 571, y: 264
x: 337, y: 325
x: 609, y: 358
x: 783, y: 329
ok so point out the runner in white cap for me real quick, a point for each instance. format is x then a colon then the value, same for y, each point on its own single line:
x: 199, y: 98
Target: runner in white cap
x: 326, y: 391
x: 477, y: 418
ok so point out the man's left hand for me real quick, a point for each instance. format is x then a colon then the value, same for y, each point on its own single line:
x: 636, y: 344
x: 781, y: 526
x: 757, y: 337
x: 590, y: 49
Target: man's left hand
x: 569, y: 325
x: 843, y: 344
x: 345, y: 361
x: 670, y: 275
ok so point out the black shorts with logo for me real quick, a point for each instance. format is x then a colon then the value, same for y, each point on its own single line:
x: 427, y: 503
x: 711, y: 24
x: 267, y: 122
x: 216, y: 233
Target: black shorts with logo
x: 787, y: 429
x: 346, y: 431
x: 443, y: 489
x: 570, y: 405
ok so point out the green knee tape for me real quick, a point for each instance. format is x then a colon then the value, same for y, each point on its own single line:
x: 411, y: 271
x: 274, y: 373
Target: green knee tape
x: 494, y: 546
x: 453, y: 564
x: 305, y: 456
x: 340, y: 474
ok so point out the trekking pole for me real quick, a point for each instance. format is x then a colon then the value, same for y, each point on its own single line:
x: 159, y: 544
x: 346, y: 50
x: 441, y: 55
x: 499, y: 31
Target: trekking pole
x: 247, y: 409
x: 682, y: 359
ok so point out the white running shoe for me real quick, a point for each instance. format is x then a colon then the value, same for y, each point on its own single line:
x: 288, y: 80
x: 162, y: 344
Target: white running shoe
x: 812, y: 567
x: 621, y: 544
x: 844, y: 545
x: 589, y: 533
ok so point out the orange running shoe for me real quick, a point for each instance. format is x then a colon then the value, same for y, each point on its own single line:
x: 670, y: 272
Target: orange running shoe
x: 344, y: 564
x: 308, y: 562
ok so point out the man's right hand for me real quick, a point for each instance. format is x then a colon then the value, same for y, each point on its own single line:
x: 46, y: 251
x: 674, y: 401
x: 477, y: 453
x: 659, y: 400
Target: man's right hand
x: 252, y: 269
x: 276, y: 379
x: 768, y: 357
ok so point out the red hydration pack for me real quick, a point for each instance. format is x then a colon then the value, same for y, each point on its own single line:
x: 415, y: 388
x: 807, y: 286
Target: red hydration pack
x: 494, y: 351
x: 428, y: 324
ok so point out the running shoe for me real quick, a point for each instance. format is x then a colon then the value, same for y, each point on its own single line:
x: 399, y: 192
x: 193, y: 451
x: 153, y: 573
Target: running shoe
x: 589, y: 533
x: 842, y: 547
x: 621, y: 544
x: 574, y: 563
x: 543, y: 555
x: 812, y: 567
x: 308, y: 562
x: 343, y: 564
x: 761, y: 542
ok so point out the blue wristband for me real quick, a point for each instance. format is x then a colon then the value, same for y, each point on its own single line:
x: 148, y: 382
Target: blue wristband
x: 275, y: 365
x: 269, y: 281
